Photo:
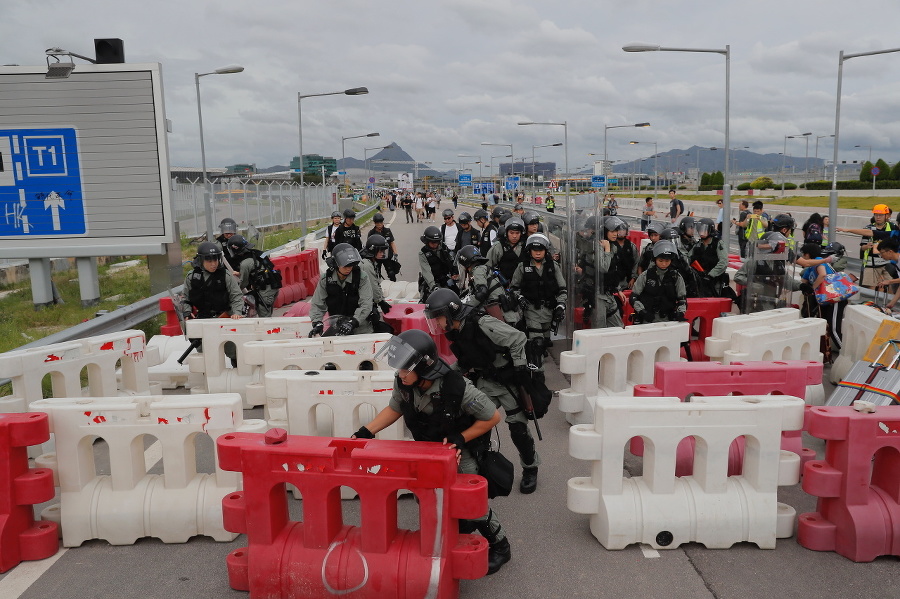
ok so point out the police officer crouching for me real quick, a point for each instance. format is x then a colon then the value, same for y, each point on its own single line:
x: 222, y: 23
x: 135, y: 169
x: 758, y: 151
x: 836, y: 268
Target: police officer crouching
x: 373, y: 258
x: 438, y: 404
x: 659, y: 293
x: 435, y: 263
x: 493, y: 353
x: 260, y: 281
x: 542, y: 295
x: 345, y: 290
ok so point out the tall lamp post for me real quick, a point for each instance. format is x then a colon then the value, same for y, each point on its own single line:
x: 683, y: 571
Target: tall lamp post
x: 353, y: 91
x: 784, y: 155
x: 211, y: 202
x: 606, y: 129
x: 734, y: 163
x: 833, y: 196
x: 478, y: 162
x: 344, y: 156
x: 816, y: 159
x: 491, y: 172
x: 533, y: 176
x: 698, y: 164
x: 366, y: 160
x: 870, y: 151
x: 726, y: 52
x: 511, y: 154
x: 570, y: 218
x: 655, y: 164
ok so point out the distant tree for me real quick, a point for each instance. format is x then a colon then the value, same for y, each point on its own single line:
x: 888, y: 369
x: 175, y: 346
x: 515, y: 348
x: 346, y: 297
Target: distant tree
x: 895, y: 172
x: 717, y: 178
x: 884, y: 169
x: 704, y: 179
x: 308, y: 178
x: 763, y: 183
x: 865, y: 173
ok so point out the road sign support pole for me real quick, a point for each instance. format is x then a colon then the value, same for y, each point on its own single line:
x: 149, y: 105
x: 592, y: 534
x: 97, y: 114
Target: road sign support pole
x: 41, y: 284
x: 88, y: 281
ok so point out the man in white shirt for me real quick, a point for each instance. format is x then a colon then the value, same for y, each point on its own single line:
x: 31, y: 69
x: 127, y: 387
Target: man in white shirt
x: 450, y: 231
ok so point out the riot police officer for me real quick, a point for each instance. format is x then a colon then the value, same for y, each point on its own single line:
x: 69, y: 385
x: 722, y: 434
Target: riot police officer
x: 467, y: 234
x: 617, y: 264
x: 391, y: 263
x: 709, y: 259
x: 373, y: 258
x: 344, y: 290
x: 484, y: 287
x: 260, y: 282
x: 508, y: 251
x: 330, y: 232
x: 766, y: 279
x: 348, y: 231
x: 437, y: 404
x: 494, y: 353
x: 488, y: 232
x: 435, y: 263
x: 542, y: 295
x: 654, y: 230
x: 227, y: 228
x: 659, y: 294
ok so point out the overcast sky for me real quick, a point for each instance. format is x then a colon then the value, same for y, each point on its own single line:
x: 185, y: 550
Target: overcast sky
x: 446, y: 75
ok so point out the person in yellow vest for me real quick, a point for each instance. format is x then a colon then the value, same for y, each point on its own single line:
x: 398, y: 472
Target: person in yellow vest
x: 551, y: 204
x: 875, y: 268
x: 756, y: 222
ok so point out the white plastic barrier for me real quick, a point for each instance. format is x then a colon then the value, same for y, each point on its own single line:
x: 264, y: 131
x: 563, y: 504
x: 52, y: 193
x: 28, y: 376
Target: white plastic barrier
x: 860, y: 323
x: 163, y: 353
x: 708, y: 507
x: 612, y: 361
x: 209, y: 373
x: 97, y: 357
x: 724, y: 327
x: 400, y: 291
x: 792, y: 340
x: 129, y: 503
x: 354, y: 352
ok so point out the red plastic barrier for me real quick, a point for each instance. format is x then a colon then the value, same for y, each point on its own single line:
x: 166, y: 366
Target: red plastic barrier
x: 21, y: 537
x: 323, y: 557
x: 404, y: 317
x: 636, y: 236
x: 702, y: 311
x: 309, y: 261
x: 172, y: 328
x: 682, y: 379
x: 858, y: 483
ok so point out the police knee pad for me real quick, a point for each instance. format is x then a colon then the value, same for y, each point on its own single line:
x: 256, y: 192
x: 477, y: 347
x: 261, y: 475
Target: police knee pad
x: 518, y: 430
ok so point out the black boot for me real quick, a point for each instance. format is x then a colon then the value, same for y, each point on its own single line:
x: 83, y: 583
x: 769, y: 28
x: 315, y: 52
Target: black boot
x: 498, y: 554
x: 528, y: 484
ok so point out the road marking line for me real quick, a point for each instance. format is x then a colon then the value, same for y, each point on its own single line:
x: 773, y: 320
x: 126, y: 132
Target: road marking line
x: 648, y: 551
x: 26, y: 574
x: 152, y: 455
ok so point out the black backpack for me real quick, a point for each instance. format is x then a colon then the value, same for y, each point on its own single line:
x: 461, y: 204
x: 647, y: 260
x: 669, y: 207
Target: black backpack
x: 264, y: 274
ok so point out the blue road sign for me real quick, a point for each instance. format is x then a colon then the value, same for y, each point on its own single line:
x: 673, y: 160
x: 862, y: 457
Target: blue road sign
x: 512, y: 183
x: 465, y: 180
x: 598, y: 181
x: 40, y: 183
x: 875, y: 171
x: 483, y: 188
x: 342, y: 172
x: 613, y: 181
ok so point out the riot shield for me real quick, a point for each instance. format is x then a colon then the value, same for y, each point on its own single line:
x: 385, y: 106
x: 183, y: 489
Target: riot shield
x: 770, y: 267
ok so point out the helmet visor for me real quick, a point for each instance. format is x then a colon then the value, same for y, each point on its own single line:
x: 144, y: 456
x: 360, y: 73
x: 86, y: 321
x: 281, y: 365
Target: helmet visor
x: 439, y: 320
x: 398, y: 354
x: 704, y: 229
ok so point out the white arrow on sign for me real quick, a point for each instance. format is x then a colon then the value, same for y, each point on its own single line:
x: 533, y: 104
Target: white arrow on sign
x: 54, y: 202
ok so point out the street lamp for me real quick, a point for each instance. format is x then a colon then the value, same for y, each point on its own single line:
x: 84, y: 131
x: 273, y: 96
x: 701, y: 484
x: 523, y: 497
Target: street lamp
x: 344, y: 156
x: 818, y: 137
x: 511, y: 154
x: 211, y: 203
x: 366, y: 160
x: 726, y: 52
x: 607, y: 128
x: 353, y: 91
x: 833, y: 196
x: 655, y: 165
x: 491, y: 172
x: 533, y: 176
x: 570, y: 217
x: 734, y: 163
x: 784, y: 154
x: 870, y: 151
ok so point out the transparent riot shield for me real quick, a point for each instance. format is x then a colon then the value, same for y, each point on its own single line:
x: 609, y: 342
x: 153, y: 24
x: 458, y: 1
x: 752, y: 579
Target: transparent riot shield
x: 769, y: 274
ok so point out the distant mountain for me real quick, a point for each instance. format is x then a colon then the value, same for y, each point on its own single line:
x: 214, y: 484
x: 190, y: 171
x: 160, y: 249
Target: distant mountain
x: 392, y: 159
x: 273, y: 169
x: 742, y: 161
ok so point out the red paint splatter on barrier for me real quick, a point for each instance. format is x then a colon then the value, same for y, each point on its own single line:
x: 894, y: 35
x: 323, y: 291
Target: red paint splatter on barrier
x: 273, y: 331
x: 349, y: 352
x: 382, y: 390
x: 324, y: 392
x: 88, y: 414
x: 180, y: 419
x: 52, y: 358
x: 100, y: 419
x: 107, y: 346
x: 162, y: 421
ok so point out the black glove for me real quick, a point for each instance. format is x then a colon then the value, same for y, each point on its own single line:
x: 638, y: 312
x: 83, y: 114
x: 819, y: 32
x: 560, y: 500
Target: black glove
x: 679, y: 317
x: 385, y: 307
x: 645, y: 316
x: 523, y: 302
x: 317, y: 329
x: 806, y: 288
x: 364, y: 433
x: 187, y: 314
x: 346, y: 327
x: 456, y: 439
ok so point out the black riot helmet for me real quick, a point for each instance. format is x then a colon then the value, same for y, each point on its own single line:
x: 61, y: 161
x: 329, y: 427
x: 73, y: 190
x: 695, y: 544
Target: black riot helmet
x: 537, y: 241
x: 687, y: 223
x: 414, y: 350
x: 590, y: 224
x: 655, y: 227
x: 531, y: 218
x: 614, y: 223
x: 497, y: 212
x: 447, y: 213
x: 670, y: 233
x: 378, y: 218
x: 665, y: 249
x: 444, y: 303
x: 345, y: 255
x: 481, y: 213
x: 705, y: 227
x: 374, y: 244
x: 469, y: 256
x: 335, y: 214
x: 210, y: 250
x: 834, y: 249
x: 237, y: 244
x: 783, y: 221
x: 431, y: 233
x: 464, y: 217
x: 228, y: 225
x: 348, y: 213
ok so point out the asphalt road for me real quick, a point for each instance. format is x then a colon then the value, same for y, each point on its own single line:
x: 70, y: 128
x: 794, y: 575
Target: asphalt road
x: 554, y: 553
